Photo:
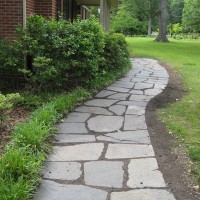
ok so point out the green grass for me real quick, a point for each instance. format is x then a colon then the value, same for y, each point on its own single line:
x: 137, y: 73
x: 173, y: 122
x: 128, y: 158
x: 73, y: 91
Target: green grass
x: 183, y: 117
x: 22, y: 159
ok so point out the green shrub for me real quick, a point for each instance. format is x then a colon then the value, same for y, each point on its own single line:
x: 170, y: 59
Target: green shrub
x: 64, y: 53
x: 115, y: 54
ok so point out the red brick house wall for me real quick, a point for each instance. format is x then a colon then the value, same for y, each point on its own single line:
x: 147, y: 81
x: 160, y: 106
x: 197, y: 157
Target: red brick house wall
x: 46, y: 8
x: 30, y: 7
x: 11, y: 14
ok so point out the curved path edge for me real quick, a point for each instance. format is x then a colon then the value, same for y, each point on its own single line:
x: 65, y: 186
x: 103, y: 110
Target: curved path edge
x: 103, y: 149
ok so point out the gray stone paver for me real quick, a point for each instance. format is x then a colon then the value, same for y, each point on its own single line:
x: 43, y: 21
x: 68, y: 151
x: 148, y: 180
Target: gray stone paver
x: 144, y: 173
x: 62, y: 170
x: 72, y: 128
x: 134, y: 122
x: 105, y: 123
x: 100, y: 102
x: 73, y: 138
x: 78, y: 152
x: 50, y: 190
x: 77, y: 117
x: 123, y: 151
x: 118, y: 109
x: 144, y: 194
x: 103, y: 149
x: 104, y: 173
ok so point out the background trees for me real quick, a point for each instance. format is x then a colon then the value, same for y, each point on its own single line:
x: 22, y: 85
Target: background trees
x: 141, y: 17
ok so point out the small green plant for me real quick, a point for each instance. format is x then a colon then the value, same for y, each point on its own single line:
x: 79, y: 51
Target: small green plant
x: 7, y: 102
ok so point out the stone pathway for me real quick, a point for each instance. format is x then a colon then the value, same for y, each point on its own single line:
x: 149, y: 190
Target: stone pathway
x: 103, y: 149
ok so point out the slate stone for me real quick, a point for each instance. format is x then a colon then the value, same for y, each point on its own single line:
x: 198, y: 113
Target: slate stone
x: 144, y: 173
x: 133, y: 122
x: 135, y: 110
x: 73, y: 138
x: 123, y: 151
x: 136, y: 92
x: 153, y: 92
x: 77, y: 117
x: 94, y: 110
x: 118, y: 109
x: 140, y: 98
x: 104, y: 93
x: 133, y: 103
x: 79, y: 152
x: 138, y: 80
x: 142, y: 86
x: 50, y: 190
x: 135, y: 137
x: 105, y: 123
x: 159, y: 86
x: 72, y: 128
x: 69, y: 171
x: 117, y: 89
x: 127, y: 85
x: 119, y: 96
x: 100, y: 102
x: 104, y: 173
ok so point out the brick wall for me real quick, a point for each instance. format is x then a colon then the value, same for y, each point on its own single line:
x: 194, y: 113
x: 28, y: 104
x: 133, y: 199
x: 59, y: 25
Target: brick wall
x: 46, y: 8
x: 10, y: 15
x: 30, y: 7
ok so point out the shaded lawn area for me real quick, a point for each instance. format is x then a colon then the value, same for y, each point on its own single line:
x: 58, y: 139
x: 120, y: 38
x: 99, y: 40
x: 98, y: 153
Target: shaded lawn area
x: 183, y: 117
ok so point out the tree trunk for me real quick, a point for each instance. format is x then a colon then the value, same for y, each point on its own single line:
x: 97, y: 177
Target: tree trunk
x: 162, y: 23
x: 149, y: 19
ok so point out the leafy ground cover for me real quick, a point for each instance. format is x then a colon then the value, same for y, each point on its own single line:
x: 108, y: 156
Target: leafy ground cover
x: 182, y: 117
x: 23, y: 157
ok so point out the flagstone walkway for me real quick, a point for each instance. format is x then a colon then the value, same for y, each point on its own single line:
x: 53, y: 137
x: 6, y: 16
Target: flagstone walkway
x: 103, y: 149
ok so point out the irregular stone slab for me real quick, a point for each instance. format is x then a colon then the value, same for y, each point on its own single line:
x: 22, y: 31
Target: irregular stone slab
x: 123, y: 151
x: 142, y: 86
x: 62, y: 170
x: 101, y: 102
x: 140, y: 98
x: 117, y: 89
x: 72, y: 128
x: 136, y: 92
x: 50, y: 190
x: 132, y: 103
x: 119, y: 96
x: 159, y: 86
x: 90, y: 151
x: 73, y: 138
x: 135, y: 110
x: 104, y: 173
x: 104, y: 93
x: 144, y: 173
x: 143, y: 194
x: 135, y: 137
x: 127, y: 85
x: 94, y: 110
x: 105, y: 123
x: 153, y: 92
x: 138, y: 80
x: 118, y: 109
x: 133, y: 122
x: 77, y: 117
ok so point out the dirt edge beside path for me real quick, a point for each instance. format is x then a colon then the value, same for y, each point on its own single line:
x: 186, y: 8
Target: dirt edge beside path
x: 172, y: 159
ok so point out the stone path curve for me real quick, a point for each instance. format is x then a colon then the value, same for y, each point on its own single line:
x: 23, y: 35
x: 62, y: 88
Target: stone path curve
x: 103, y: 149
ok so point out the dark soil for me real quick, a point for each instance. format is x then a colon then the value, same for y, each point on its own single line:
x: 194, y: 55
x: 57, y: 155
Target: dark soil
x: 13, y: 117
x: 172, y: 157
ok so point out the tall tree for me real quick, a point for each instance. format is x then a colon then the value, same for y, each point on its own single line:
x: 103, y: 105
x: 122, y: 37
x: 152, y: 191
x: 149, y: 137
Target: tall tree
x: 162, y: 35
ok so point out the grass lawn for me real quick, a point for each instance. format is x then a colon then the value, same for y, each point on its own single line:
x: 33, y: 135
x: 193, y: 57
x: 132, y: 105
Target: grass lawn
x: 183, y: 117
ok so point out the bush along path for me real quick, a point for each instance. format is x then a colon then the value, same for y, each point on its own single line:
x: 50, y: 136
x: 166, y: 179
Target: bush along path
x: 103, y: 149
